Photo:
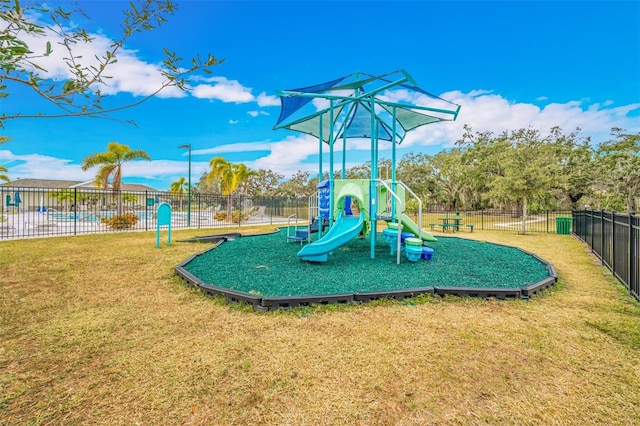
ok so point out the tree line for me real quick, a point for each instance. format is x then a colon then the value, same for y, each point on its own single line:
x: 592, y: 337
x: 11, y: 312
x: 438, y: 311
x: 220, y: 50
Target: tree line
x: 523, y: 170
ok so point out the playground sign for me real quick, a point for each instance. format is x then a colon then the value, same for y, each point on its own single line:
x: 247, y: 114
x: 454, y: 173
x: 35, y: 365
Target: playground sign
x: 164, y: 219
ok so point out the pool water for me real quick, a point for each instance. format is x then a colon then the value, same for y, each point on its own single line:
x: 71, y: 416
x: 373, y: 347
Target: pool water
x: 89, y: 216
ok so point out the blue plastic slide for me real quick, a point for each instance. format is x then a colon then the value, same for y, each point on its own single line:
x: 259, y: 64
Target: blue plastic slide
x: 343, y: 230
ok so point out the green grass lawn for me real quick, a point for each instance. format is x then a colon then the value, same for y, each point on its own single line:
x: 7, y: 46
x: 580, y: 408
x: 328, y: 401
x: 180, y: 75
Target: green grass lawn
x: 97, y: 329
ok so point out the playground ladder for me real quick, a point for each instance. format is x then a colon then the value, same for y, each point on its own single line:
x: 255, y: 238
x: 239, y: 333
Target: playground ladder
x: 297, y: 234
x: 388, y: 214
x: 391, y: 194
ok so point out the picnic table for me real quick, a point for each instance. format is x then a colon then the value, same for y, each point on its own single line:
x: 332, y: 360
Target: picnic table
x: 452, y: 223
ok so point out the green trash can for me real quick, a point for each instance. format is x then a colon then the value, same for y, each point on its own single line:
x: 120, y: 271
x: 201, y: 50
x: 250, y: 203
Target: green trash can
x: 563, y: 225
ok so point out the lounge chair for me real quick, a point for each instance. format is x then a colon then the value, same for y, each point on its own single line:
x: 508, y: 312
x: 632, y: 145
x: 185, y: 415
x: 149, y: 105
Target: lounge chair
x: 44, y: 221
x: 259, y: 212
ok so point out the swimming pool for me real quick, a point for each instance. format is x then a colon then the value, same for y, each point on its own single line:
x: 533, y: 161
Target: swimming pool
x: 89, y: 216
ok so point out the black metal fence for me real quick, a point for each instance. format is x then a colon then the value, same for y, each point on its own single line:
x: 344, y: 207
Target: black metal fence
x: 615, y: 239
x: 544, y: 221
x: 40, y: 212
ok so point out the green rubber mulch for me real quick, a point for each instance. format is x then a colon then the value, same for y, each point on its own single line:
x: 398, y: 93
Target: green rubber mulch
x: 267, y: 265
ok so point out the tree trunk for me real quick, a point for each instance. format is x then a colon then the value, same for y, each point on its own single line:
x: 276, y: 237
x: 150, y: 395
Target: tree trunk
x: 119, y: 203
x: 523, y: 230
x: 631, y: 202
x: 229, y: 207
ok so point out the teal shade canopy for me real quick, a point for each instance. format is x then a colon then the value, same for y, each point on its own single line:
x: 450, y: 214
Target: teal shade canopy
x: 359, y: 105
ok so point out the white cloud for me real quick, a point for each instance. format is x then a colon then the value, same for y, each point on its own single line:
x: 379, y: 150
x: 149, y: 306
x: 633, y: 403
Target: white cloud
x: 229, y: 91
x: 224, y: 90
x: 168, y: 169
x: 541, y: 98
x: 481, y: 109
x: 265, y: 100
x: 37, y: 166
x: 288, y: 156
x: 257, y: 113
x: 485, y: 111
x: 129, y: 74
x: 235, y: 147
x: 132, y: 75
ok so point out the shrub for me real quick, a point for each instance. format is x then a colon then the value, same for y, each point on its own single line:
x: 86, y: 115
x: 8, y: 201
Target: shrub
x: 235, y: 217
x: 411, y: 205
x: 123, y: 221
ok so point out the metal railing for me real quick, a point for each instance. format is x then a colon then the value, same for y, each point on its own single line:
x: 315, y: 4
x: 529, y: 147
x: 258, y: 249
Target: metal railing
x: 42, y: 212
x: 615, y: 239
x: 543, y: 221
x: 393, y: 196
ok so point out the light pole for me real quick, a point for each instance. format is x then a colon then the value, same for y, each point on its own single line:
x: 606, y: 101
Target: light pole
x: 188, y: 146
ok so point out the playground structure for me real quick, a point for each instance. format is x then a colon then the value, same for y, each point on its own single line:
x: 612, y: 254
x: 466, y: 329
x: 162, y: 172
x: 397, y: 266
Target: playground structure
x: 362, y: 107
x: 351, y: 208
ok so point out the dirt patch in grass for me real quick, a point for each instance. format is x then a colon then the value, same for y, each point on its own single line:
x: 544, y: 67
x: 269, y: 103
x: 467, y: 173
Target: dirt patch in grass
x: 97, y: 330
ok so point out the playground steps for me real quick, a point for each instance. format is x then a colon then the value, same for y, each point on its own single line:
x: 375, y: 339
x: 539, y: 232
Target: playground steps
x: 300, y: 235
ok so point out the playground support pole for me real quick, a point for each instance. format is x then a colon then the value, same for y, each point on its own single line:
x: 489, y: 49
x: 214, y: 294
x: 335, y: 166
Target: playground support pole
x: 331, y: 196
x: 320, y: 175
x: 343, y: 174
x: 393, y: 163
x: 372, y: 186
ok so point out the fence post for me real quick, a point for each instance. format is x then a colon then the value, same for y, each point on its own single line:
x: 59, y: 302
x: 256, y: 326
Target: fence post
x: 482, y: 219
x: 199, y: 209
x: 547, y: 221
x: 75, y: 211
x: 146, y: 210
x: 630, y: 249
x: 613, y: 242
x: 602, y: 235
x: 593, y: 216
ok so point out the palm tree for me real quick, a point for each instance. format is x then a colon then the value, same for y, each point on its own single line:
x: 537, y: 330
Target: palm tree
x: 244, y: 175
x: 179, y: 188
x: 110, y: 163
x: 4, y: 177
x: 3, y: 169
x: 228, y: 176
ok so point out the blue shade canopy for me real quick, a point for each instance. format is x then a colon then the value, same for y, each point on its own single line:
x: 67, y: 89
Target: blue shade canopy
x: 360, y: 105
x: 292, y: 104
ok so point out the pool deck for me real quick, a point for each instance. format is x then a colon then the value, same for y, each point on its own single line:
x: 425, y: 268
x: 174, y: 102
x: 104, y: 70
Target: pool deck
x: 21, y: 225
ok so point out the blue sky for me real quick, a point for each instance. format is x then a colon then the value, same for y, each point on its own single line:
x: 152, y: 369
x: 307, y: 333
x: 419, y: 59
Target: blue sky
x: 508, y: 64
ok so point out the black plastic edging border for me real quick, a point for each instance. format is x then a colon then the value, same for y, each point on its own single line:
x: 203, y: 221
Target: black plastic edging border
x: 401, y: 294
x: 545, y: 283
x: 285, y: 302
x: 484, y: 292
x: 260, y: 303
x: 536, y: 288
